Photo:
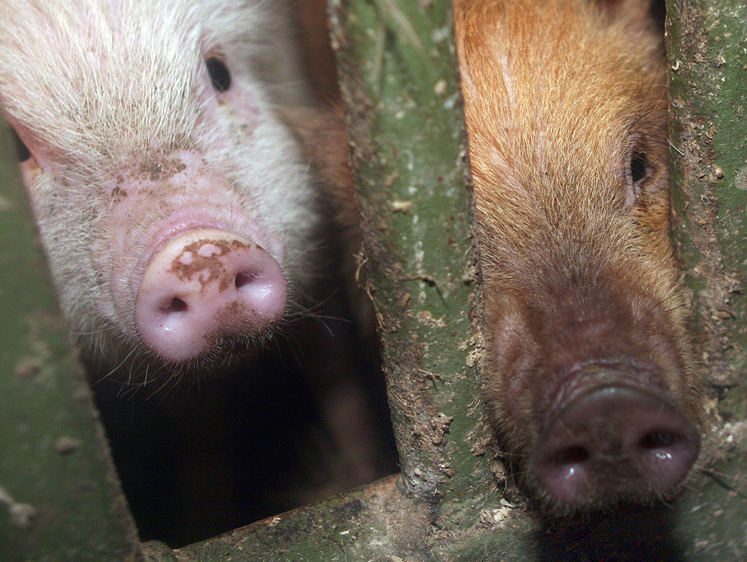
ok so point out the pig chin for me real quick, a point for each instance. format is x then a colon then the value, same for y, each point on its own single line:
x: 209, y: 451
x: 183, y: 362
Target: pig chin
x: 586, y: 381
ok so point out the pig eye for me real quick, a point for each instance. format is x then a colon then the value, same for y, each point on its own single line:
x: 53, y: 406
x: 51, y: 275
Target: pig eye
x: 22, y: 151
x: 640, y: 170
x: 219, y: 74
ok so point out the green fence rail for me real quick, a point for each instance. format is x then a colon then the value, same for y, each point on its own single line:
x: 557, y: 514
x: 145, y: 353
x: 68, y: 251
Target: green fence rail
x: 59, y: 495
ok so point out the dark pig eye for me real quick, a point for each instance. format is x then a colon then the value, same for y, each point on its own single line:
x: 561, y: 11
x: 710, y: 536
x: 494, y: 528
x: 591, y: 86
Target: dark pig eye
x: 22, y: 151
x: 640, y: 170
x: 219, y: 74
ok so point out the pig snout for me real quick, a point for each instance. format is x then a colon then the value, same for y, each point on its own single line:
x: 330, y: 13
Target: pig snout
x: 590, y: 376
x: 613, y: 441
x: 206, y: 286
x: 589, y: 384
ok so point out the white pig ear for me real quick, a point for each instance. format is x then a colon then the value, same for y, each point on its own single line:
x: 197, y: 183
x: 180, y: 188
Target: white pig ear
x: 28, y: 146
x: 633, y: 12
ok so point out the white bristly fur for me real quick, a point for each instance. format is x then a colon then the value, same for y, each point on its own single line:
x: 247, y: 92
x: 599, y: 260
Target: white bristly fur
x: 101, y: 85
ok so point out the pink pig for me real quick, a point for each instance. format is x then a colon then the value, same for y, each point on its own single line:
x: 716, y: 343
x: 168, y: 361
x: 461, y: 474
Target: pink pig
x: 176, y: 210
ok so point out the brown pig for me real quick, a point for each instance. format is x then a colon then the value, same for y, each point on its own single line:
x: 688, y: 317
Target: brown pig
x: 588, y: 375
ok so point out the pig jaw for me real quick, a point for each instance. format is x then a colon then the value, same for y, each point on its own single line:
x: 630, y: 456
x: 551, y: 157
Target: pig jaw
x: 591, y: 387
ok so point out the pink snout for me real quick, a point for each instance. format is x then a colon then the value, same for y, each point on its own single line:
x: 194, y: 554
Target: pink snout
x: 204, y: 286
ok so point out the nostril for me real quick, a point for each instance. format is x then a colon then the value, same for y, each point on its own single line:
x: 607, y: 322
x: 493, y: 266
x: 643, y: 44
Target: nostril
x: 206, y: 287
x: 571, y: 455
x: 244, y: 279
x: 658, y: 440
x: 614, y: 443
x: 174, y: 306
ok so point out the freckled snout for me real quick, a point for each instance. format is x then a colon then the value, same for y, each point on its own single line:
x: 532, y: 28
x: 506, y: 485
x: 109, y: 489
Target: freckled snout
x: 204, y: 286
x: 612, y: 443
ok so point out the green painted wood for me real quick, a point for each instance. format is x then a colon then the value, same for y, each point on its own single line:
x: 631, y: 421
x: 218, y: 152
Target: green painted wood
x: 708, y: 91
x: 405, y: 125
x: 59, y: 498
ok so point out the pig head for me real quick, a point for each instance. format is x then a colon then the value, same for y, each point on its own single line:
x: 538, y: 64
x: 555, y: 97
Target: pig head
x: 174, y: 207
x: 589, y: 374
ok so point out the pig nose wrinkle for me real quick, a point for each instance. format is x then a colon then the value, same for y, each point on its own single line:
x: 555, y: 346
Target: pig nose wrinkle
x: 228, y: 288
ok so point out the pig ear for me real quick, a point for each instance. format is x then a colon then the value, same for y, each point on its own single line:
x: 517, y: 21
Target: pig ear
x: 22, y: 151
x: 28, y: 146
x: 633, y: 12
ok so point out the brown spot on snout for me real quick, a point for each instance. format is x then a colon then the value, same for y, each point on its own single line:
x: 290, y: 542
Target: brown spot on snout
x: 204, y: 259
x: 156, y: 170
x: 118, y: 194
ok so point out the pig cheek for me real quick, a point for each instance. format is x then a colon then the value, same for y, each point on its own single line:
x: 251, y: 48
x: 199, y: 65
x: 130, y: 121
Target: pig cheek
x: 40, y: 186
x: 653, y: 220
x: 239, y: 106
x: 661, y: 343
x: 511, y: 374
x: 55, y: 212
x: 108, y: 250
x: 47, y: 202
